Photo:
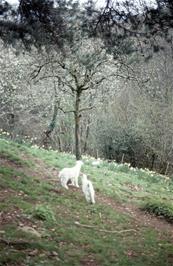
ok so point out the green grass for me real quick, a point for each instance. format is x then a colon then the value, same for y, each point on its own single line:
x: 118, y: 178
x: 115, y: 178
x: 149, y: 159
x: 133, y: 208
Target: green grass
x: 12, y: 153
x: 43, y: 212
x: 159, y: 208
x: 29, y: 199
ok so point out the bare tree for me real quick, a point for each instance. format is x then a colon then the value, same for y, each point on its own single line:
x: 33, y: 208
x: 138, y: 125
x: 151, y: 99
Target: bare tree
x: 82, y: 71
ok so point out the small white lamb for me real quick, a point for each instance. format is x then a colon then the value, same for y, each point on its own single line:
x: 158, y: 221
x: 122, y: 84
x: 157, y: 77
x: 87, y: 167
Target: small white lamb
x: 70, y: 174
x: 97, y: 162
x: 88, y: 189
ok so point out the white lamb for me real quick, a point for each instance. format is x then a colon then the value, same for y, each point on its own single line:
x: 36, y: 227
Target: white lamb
x: 88, y: 189
x: 97, y: 162
x: 70, y: 174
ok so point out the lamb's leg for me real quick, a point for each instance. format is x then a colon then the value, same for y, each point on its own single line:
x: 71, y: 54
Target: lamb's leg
x: 76, y: 181
x: 64, y: 184
x: 92, y: 198
x: 73, y: 181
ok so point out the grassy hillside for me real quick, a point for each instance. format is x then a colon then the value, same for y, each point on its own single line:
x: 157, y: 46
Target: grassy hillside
x: 44, y: 224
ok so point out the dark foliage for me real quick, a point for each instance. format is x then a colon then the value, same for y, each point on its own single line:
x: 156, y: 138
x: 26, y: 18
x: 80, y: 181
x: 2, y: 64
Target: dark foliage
x: 160, y: 209
x: 48, y: 22
x: 36, y: 22
x: 145, y: 24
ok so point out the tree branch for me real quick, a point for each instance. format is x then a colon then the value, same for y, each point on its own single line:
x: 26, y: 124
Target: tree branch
x: 66, y: 112
x: 86, y: 108
x: 22, y: 243
x: 35, y: 73
x: 104, y: 231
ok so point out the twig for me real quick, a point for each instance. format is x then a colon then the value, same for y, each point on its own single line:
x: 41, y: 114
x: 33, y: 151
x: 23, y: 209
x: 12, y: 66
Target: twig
x: 105, y: 231
x: 86, y: 108
x: 14, y: 242
x: 52, y: 179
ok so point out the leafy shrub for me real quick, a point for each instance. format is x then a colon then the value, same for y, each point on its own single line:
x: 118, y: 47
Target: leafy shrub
x: 123, y: 167
x: 112, y: 167
x: 160, y: 209
x: 44, y: 213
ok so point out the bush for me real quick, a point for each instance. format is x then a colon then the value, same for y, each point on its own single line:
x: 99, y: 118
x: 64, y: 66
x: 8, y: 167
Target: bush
x: 44, y: 213
x: 112, y: 166
x: 123, y: 167
x: 160, y: 209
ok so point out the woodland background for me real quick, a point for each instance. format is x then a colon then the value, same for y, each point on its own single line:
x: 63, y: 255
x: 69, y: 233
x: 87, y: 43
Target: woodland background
x: 89, y: 80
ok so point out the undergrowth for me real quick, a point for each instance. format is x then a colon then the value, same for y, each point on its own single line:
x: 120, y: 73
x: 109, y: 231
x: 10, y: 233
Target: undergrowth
x: 43, y: 212
x: 159, y: 208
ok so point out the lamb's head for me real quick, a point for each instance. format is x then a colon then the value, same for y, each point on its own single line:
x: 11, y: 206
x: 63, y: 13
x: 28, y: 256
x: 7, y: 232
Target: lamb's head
x: 80, y: 163
x: 84, y: 178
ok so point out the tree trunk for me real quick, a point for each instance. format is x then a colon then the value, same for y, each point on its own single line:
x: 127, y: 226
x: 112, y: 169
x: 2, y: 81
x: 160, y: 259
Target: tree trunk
x: 167, y: 166
x: 132, y: 157
x: 47, y: 133
x: 122, y: 158
x: 77, y: 127
x: 153, y: 161
x: 86, y: 137
x: 59, y: 144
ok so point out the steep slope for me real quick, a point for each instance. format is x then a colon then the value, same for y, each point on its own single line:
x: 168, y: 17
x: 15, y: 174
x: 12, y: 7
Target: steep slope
x: 43, y: 224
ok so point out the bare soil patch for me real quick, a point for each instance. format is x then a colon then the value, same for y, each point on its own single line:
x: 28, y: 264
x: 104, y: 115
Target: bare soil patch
x: 9, y: 163
x: 140, y: 218
x: 89, y: 260
x: 39, y: 169
x: 43, y: 171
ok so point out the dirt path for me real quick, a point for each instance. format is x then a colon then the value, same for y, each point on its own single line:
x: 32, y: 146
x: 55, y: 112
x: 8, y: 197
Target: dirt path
x: 39, y: 168
x: 140, y: 217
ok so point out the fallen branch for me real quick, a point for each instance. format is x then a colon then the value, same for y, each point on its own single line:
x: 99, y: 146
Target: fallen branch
x: 52, y: 179
x: 22, y: 243
x: 102, y: 230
